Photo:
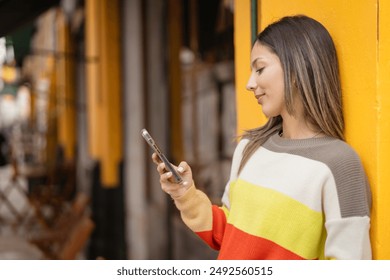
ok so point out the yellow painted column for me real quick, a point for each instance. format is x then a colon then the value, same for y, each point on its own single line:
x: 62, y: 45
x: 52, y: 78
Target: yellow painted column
x: 104, y: 86
x: 66, y: 89
x: 94, y: 98
x: 111, y: 92
x: 364, y: 51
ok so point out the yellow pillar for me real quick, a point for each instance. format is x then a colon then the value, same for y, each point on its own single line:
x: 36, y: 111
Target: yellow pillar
x: 355, y: 27
x: 66, y: 89
x: 111, y: 92
x: 92, y: 50
x: 104, y: 86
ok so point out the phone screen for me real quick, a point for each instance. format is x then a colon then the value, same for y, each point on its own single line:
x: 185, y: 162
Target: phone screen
x: 145, y: 134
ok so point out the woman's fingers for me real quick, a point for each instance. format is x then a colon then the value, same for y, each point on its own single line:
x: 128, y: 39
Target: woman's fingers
x: 168, y: 185
x: 161, y: 168
x: 156, y: 159
x: 166, y: 176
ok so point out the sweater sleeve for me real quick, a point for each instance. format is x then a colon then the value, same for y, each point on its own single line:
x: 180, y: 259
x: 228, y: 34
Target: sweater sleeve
x: 346, y: 202
x: 206, y: 220
x: 197, y: 212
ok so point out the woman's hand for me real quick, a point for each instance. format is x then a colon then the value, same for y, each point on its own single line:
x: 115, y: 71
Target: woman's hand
x: 168, y: 185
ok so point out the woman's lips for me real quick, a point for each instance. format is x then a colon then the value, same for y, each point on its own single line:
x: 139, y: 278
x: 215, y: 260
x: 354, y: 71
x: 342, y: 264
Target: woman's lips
x: 259, y: 98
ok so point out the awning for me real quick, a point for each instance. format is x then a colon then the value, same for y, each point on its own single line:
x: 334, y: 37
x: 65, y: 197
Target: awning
x: 15, y: 14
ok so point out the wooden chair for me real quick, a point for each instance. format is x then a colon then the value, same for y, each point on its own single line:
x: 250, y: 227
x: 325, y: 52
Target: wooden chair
x: 69, y: 234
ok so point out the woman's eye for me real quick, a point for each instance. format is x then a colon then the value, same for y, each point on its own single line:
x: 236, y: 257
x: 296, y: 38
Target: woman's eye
x: 259, y: 71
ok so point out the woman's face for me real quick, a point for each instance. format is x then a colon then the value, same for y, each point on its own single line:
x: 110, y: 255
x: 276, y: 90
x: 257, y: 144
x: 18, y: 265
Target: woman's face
x: 267, y: 81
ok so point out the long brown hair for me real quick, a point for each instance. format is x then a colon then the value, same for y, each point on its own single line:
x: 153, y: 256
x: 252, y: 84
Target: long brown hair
x: 310, y: 65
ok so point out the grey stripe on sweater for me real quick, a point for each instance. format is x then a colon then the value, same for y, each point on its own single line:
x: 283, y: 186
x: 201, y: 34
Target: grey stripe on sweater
x: 351, y: 182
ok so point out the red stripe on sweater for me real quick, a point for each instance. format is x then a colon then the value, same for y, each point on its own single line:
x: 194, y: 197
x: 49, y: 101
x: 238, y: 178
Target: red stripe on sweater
x: 240, y: 245
x: 214, y: 236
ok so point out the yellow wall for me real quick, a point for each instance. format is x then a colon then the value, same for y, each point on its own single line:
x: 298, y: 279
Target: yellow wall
x: 249, y: 112
x: 382, y: 188
x: 354, y: 26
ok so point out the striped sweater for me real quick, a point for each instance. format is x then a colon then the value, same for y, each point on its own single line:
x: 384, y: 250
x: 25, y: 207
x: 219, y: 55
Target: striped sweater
x: 294, y: 199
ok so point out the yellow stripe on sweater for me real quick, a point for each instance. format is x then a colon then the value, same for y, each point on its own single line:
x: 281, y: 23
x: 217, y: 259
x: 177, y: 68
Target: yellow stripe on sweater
x: 279, y: 218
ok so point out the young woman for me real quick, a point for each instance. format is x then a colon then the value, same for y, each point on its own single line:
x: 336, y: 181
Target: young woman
x: 296, y: 189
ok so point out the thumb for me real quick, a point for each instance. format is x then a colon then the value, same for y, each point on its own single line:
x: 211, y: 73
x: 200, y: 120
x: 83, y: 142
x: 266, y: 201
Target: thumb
x: 183, y: 167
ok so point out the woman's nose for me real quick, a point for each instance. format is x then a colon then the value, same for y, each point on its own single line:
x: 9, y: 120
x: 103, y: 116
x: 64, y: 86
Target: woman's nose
x: 251, y: 85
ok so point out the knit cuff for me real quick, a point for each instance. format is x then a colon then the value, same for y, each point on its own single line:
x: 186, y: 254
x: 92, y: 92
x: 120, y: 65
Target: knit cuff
x: 195, y: 209
x: 182, y: 201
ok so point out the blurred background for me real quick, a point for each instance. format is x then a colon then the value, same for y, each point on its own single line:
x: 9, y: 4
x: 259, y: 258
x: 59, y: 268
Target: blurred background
x: 79, y: 79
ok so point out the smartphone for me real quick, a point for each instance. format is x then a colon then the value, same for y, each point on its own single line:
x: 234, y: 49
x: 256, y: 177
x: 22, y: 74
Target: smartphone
x: 145, y: 134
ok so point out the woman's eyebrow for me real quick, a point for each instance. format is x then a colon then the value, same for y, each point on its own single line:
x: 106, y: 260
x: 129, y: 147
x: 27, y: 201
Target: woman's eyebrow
x: 255, y: 61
